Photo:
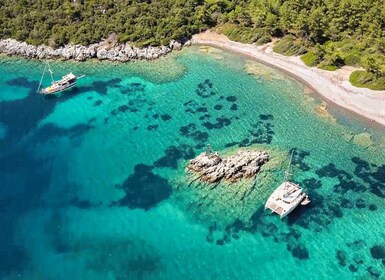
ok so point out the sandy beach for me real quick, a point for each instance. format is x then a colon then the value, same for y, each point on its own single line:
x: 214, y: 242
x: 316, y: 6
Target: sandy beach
x: 332, y: 85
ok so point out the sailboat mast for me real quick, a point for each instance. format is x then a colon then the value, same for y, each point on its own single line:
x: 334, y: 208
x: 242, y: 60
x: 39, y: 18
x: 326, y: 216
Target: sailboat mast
x: 41, y: 79
x: 50, y: 71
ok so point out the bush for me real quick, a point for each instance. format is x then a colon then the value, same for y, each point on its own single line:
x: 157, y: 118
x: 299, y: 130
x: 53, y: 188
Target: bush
x: 289, y: 46
x: 328, y: 67
x: 310, y: 59
x: 263, y: 40
x: 352, y: 60
x: 366, y: 79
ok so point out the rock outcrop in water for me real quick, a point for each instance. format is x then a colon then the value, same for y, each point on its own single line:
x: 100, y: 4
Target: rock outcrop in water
x: 108, y: 49
x: 213, y: 168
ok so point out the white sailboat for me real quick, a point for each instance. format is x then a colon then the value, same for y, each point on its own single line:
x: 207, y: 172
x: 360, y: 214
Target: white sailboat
x: 287, y: 196
x: 66, y: 82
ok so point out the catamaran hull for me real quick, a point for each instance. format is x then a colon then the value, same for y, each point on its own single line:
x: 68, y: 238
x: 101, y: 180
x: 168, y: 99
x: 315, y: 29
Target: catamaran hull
x: 291, y: 209
x: 276, y: 202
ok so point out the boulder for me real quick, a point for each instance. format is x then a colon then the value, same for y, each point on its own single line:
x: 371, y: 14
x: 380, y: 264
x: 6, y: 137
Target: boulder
x: 213, y: 168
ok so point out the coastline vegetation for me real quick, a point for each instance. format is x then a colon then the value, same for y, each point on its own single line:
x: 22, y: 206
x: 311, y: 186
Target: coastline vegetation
x: 327, y: 33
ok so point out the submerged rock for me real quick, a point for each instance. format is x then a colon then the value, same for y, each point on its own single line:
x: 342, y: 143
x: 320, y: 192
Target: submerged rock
x: 213, y: 168
x: 363, y: 139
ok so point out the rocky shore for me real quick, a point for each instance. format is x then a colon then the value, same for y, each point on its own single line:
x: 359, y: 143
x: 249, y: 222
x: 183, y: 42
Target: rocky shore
x: 108, y: 49
x: 213, y: 168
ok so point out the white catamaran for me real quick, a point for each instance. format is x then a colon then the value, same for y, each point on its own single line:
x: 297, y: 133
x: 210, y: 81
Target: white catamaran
x: 287, y: 196
x: 66, y: 82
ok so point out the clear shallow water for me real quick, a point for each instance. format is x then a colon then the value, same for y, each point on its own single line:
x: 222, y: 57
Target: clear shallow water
x: 87, y: 184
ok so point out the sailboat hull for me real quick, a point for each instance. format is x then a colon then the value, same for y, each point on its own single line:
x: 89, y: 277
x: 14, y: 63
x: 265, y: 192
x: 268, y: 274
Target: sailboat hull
x: 51, y: 90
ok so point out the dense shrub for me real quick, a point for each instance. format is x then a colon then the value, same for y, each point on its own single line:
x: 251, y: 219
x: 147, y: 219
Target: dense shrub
x: 310, y: 59
x: 290, y: 46
x: 366, y: 79
x: 263, y: 40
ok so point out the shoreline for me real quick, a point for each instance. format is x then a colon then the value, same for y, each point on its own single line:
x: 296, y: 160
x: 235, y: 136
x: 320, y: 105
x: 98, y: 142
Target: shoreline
x: 108, y: 49
x: 334, y: 86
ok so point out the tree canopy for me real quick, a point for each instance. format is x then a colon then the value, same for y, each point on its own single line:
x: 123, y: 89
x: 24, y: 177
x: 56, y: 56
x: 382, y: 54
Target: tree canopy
x: 330, y: 33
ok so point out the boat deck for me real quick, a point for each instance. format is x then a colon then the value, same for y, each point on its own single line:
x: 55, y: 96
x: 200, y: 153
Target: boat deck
x: 285, y: 199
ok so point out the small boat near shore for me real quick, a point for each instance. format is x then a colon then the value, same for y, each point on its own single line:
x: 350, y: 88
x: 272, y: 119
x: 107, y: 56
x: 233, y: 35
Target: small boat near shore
x: 66, y: 82
x: 286, y: 197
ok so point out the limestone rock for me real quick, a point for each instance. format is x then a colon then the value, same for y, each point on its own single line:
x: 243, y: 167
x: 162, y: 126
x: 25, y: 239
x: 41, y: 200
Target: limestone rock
x: 213, y: 168
x: 108, y: 49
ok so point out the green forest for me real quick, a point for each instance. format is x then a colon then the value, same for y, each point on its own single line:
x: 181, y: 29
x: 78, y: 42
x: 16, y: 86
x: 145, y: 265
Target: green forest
x: 326, y: 33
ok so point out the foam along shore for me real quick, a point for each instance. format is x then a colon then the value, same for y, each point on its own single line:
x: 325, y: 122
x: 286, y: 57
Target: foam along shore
x: 333, y: 85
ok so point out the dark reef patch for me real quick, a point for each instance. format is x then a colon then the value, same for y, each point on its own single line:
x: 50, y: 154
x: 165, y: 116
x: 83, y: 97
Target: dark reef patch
x: 378, y: 252
x: 261, y: 133
x: 190, y: 131
x: 348, y: 185
x: 22, y: 82
x: 373, y: 272
x: 266, y: 117
x: 352, y: 268
x: 144, y: 189
x: 372, y: 175
x: 218, y: 107
x: 341, y: 257
x: 346, y: 203
x: 360, y: 203
x: 231, y: 98
x: 205, y: 90
x: 204, y: 117
x: 114, y: 112
x: 186, y: 130
x: 173, y: 154
x: 332, y: 171
x: 192, y: 107
x: 155, y: 116
x: 100, y: 87
x: 165, y: 117
x: 123, y: 108
x: 298, y: 251
x: 152, y: 127
x: 98, y: 103
x: 372, y: 207
x: 299, y: 157
x: 231, y: 144
x: 234, y: 107
x: 221, y: 123
x: 133, y: 88
x: 202, y: 110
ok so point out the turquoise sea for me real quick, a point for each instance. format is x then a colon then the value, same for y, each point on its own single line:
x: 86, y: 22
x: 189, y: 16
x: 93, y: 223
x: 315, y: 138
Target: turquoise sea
x: 92, y: 182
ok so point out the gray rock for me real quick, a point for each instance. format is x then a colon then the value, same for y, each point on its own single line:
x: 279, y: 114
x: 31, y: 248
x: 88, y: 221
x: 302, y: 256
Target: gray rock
x: 213, y: 168
x: 106, y: 50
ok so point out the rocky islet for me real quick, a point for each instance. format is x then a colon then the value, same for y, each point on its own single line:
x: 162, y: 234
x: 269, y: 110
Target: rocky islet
x: 214, y: 168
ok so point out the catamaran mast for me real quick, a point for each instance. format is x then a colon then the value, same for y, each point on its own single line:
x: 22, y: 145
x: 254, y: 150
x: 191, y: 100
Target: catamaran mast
x: 287, y: 172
